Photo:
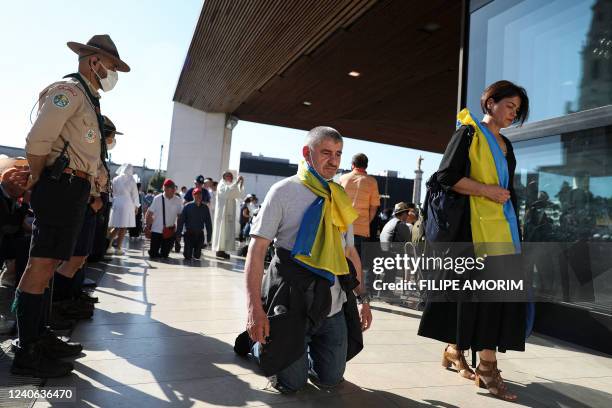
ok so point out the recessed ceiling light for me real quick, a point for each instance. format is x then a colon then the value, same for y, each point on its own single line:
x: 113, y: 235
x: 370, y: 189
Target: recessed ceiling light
x: 354, y: 74
x: 306, y: 103
x: 430, y: 27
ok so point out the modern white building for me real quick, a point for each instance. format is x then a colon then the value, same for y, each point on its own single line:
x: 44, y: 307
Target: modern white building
x: 199, y: 144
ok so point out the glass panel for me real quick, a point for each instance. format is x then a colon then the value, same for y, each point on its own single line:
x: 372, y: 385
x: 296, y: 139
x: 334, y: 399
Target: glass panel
x: 564, y: 186
x: 559, y: 50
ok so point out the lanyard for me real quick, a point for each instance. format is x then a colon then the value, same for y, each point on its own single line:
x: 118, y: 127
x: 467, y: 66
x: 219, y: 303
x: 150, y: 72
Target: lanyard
x: 96, y: 103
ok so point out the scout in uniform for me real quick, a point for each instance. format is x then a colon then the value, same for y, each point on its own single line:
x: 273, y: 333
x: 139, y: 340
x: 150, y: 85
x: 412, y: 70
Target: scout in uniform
x: 64, y: 149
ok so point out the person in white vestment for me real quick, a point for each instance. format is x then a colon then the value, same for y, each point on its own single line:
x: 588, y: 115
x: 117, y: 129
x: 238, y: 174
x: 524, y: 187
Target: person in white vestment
x: 125, y: 204
x: 224, y: 229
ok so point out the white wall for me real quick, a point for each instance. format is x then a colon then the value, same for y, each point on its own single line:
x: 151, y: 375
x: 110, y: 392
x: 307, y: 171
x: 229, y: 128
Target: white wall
x: 199, y: 144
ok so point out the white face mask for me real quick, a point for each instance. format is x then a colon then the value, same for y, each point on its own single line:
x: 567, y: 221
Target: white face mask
x: 315, y: 170
x: 110, y: 81
x: 111, y: 145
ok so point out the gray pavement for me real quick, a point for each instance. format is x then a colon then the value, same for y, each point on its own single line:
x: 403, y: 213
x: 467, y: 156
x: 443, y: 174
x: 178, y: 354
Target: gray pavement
x: 163, y: 332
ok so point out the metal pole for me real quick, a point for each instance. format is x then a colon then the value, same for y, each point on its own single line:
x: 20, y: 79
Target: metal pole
x: 161, y: 152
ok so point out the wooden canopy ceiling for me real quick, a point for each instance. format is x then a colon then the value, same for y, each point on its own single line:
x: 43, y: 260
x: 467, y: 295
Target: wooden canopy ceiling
x: 261, y: 60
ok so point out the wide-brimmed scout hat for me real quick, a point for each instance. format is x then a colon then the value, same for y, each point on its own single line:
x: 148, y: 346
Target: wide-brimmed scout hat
x: 109, y: 126
x: 100, y: 44
x: 402, y: 207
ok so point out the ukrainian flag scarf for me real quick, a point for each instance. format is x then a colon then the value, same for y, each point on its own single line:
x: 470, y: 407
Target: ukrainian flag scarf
x: 494, y: 226
x: 318, y: 246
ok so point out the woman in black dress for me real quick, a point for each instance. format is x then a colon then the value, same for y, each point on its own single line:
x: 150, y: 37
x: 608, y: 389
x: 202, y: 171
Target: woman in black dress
x: 484, y: 327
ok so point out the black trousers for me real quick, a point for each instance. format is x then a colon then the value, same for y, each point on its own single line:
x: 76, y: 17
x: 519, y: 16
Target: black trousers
x: 160, y: 247
x: 101, y: 243
x: 137, y: 230
x: 194, y: 240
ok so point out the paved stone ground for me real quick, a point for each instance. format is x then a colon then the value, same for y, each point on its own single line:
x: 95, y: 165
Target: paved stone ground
x: 162, y: 335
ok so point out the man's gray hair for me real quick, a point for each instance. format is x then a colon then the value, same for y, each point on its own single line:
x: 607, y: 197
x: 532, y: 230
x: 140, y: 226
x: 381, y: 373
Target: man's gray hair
x: 320, y: 133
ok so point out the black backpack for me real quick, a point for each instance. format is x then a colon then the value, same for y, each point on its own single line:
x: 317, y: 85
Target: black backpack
x: 443, y: 208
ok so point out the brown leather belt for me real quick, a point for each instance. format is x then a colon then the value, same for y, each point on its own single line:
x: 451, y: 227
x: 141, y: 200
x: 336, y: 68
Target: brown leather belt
x: 77, y: 173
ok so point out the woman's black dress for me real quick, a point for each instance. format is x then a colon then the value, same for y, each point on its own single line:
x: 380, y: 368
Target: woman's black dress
x: 485, y: 325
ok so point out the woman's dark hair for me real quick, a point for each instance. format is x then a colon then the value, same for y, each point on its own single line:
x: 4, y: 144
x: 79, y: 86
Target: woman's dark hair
x: 506, y: 89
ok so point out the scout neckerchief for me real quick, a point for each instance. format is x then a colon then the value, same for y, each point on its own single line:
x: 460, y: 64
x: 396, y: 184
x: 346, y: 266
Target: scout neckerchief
x: 318, y: 245
x: 96, y: 104
x: 494, y: 226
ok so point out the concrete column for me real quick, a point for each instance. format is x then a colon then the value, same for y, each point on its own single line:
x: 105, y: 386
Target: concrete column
x: 200, y: 143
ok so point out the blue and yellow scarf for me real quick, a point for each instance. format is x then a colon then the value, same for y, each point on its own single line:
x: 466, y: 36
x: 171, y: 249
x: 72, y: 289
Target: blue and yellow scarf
x: 494, y: 226
x: 318, y: 246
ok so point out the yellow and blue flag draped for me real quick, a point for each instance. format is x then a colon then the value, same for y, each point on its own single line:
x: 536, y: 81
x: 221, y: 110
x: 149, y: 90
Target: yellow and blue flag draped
x: 318, y: 246
x: 494, y: 226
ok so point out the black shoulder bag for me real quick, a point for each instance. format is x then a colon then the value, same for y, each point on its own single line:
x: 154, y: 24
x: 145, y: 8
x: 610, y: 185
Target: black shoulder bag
x: 443, y: 208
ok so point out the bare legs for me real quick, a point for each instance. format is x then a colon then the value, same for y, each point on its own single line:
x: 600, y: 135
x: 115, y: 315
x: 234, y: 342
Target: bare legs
x: 119, y: 233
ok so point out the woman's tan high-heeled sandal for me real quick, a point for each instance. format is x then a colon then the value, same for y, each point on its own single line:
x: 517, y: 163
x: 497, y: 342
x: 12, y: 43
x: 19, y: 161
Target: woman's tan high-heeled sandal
x: 456, y: 358
x: 491, y: 379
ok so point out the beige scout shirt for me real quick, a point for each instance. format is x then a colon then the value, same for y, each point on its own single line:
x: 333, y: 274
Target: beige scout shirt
x: 64, y: 109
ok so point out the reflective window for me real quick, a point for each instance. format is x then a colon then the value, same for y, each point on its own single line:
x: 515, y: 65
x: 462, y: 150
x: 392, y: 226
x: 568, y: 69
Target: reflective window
x: 559, y: 50
x: 564, y: 186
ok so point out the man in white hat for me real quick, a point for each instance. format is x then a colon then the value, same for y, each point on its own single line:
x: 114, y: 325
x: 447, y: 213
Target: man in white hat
x: 399, y: 227
x: 64, y: 148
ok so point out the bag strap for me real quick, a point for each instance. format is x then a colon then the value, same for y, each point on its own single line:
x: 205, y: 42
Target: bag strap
x: 469, y: 133
x: 433, y: 182
x: 164, y: 210
x: 95, y: 102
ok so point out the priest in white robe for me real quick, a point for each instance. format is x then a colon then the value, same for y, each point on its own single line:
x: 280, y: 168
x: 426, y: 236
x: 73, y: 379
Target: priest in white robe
x: 224, y: 229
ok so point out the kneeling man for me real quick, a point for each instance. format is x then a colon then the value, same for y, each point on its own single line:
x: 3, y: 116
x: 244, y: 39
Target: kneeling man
x: 303, y: 319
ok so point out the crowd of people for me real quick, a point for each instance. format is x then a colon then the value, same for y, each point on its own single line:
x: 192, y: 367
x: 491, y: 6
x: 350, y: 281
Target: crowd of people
x: 52, y: 205
x: 307, y: 313
x: 60, y: 207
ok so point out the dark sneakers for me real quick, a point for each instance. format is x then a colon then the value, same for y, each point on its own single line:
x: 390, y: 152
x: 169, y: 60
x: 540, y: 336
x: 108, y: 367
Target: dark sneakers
x: 243, y: 344
x: 33, y: 361
x: 52, y: 346
x: 73, y: 309
x: 86, y: 297
x: 56, y: 348
x: 223, y: 255
x: 58, y: 323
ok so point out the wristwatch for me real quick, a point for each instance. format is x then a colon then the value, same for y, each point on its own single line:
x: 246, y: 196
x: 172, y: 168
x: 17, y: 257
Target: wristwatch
x: 363, y: 299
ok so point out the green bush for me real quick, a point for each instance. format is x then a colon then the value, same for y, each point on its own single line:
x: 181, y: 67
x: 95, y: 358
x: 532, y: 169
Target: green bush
x: 156, y: 182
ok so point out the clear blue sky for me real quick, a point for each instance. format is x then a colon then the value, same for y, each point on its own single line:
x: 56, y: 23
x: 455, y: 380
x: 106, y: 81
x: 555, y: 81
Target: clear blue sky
x: 153, y: 38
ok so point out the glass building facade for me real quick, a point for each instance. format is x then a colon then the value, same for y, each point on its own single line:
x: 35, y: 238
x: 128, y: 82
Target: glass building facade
x: 561, y: 52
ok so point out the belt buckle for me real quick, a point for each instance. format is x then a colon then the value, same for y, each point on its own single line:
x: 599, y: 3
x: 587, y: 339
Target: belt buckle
x: 71, y: 176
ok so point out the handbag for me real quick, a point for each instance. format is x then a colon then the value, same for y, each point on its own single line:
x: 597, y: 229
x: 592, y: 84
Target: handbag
x: 443, y: 208
x: 167, y: 232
